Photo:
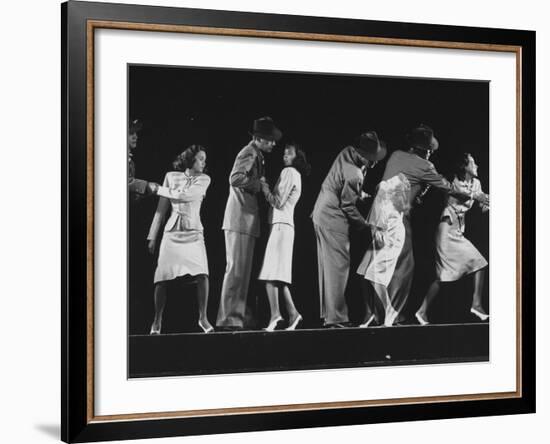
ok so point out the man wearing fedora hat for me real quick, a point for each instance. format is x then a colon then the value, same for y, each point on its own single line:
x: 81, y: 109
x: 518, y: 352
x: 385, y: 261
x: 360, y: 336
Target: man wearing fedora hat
x: 241, y: 222
x: 334, y: 212
x: 138, y: 188
x: 421, y: 174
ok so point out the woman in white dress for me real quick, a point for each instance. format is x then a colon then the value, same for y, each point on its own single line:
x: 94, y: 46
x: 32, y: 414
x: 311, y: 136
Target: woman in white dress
x: 456, y: 256
x: 182, y: 250
x: 388, y: 236
x: 277, y: 265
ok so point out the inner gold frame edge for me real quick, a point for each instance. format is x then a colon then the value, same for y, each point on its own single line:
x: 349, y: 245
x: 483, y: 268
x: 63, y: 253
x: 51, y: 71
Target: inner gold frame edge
x: 96, y: 24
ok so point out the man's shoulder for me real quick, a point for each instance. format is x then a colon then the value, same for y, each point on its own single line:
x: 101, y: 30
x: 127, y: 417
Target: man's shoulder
x: 347, y: 160
x: 248, y: 150
x: 410, y: 159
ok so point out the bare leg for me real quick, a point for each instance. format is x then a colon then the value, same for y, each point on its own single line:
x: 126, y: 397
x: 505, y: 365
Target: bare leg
x: 391, y: 314
x: 433, y: 291
x: 273, y: 298
x: 368, y: 298
x: 479, y: 277
x: 203, y: 285
x: 290, y: 307
x: 160, y: 303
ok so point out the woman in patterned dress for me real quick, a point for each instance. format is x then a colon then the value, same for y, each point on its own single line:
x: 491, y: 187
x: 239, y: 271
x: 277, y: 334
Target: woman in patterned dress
x: 277, y: 266
x: 182, y: 250
x: 456, y: 256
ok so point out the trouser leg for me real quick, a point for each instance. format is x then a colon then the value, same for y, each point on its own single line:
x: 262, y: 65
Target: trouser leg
x: 239, y: 249
x: 334, y: 261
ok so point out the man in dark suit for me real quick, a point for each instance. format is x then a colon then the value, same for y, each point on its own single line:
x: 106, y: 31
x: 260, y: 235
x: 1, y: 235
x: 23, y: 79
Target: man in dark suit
x: 241, y: 222
x: 414, y: 164
x: 138, y: 188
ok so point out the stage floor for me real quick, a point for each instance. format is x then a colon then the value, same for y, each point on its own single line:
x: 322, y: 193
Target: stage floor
x: 260, y: 351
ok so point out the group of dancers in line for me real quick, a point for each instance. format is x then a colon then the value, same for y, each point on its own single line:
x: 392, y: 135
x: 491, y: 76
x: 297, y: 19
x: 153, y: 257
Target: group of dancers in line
x: 388, y: 264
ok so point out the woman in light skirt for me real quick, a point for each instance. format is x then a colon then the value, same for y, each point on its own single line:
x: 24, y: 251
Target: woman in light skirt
x: 456, y: 256
x: 277, y: 265
x: 388, y: 237
x: 182, y: 250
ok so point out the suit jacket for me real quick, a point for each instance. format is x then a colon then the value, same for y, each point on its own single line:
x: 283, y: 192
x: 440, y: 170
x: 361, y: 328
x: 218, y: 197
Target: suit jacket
x: 284, y: 197
x: 418, y: 171
x: 241, y: 211
x: 136, y: 187
x: 336, y: 205
x: 185, y: 194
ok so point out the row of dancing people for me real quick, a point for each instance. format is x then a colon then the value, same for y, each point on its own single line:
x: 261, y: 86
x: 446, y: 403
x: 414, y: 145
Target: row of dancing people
x: 387, y: 267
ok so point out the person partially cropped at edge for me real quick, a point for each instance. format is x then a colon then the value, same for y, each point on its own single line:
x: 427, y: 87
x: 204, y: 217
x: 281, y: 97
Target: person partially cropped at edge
x: 419, y: 172
x: 138, y: 188
x: 335, y: 212
x: 182, y: 251
x: 241, y: 222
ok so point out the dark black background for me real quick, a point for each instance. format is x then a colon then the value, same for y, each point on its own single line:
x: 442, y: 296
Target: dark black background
x: 323, y: 112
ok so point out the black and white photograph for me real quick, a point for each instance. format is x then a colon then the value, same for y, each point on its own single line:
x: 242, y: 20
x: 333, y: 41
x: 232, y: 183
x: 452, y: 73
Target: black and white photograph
x: 286, y: 219
x: 302, y: 220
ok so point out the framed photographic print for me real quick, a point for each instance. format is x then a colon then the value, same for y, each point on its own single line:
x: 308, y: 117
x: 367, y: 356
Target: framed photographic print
x: 278, y: 221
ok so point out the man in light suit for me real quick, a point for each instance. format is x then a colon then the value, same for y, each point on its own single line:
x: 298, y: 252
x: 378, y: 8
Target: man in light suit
x: 334, y: 212
x: 241, y: 222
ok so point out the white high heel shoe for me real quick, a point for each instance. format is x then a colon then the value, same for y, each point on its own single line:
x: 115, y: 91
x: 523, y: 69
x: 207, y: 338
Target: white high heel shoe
x: 205, y: 329
x: 295, y: 323
x: 480, y: 315
x: 273, y: 324
x: 368, y: 322
x: 154, y: 331
x: 420, y: 319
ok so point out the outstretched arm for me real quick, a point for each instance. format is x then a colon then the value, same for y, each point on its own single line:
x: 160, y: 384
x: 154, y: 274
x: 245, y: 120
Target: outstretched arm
x: 194, y: 192
x: 137, y: 186
x: 480, y: 193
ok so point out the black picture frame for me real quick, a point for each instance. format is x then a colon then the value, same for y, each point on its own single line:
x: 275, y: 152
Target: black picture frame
x: 78, y: 423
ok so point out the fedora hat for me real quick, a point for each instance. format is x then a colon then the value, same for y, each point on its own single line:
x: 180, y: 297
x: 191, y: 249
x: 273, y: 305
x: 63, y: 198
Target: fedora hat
x: 371, y: 147
x: 266, y: 129
x: 135, y: 126
x: 422, y: 137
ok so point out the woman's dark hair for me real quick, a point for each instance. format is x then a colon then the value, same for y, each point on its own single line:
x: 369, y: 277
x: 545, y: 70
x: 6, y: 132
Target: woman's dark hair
x: 300, y: 161
x: 187, y: 158
x: 460, y: 164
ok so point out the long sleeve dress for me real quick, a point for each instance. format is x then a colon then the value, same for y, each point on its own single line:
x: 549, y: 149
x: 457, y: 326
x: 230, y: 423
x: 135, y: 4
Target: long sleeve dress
x: 388, y: 231
x: 456, y: 256
x: 182, y: 249
x: 277, y: 265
